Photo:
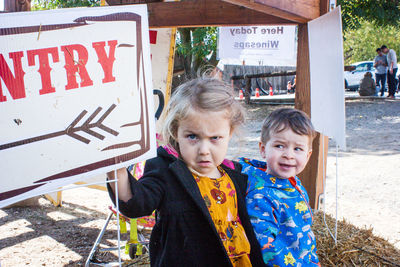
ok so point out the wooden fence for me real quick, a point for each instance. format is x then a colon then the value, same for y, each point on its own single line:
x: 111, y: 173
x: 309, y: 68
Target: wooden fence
x: 278, y: 83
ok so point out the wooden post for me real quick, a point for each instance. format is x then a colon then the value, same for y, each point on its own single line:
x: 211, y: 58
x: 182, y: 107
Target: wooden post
x: 312, y: 176
x: 247, y: 90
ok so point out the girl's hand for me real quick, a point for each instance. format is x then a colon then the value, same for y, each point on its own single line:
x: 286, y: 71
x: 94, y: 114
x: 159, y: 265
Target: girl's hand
x: 124, y: 191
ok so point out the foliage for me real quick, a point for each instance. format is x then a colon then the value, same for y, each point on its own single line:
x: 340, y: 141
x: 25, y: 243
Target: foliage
x: 53, y: 4
x: 381, y: 12
x: 195, y: 48
x: 361, y: 43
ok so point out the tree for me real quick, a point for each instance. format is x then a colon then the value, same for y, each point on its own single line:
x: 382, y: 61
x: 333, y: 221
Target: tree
x: 381, y: 12
x: 361, y: 43
x: 368, y: 24
x: 53, y: 4
x: 196, y: 49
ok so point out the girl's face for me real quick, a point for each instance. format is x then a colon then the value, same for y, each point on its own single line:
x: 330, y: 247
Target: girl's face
x: 286, y: 153
x: 203, y: 139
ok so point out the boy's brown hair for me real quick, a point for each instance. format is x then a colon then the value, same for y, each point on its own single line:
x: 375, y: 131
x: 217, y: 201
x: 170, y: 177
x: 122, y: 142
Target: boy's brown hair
x: 284, y: 118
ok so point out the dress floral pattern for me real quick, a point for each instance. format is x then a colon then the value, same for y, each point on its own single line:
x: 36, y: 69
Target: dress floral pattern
x: 220, y: 198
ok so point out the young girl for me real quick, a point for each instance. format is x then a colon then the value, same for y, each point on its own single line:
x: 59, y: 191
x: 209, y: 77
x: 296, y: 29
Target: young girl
x: 200, y: 203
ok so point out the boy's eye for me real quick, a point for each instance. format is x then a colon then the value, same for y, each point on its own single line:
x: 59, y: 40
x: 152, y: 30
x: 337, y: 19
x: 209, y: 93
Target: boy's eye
x: 279, y: 146
x: 214, y: 138
x: 298, y: 149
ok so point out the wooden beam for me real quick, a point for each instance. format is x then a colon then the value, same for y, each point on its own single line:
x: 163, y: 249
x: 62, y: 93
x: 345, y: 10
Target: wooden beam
x: 203, y: 13
x: 129, y: 2
x: 297, y: 11
x: 302, y: 95
x: 17, y: 5
x: 324, y: 6
x: 303, y: 102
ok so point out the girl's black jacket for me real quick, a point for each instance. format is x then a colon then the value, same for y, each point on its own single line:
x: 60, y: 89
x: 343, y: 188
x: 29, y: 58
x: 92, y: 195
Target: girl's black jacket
x: 184, y: 233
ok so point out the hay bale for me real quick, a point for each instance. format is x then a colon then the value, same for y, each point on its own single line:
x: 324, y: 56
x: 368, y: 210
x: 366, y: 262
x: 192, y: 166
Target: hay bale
x: 355, y: 246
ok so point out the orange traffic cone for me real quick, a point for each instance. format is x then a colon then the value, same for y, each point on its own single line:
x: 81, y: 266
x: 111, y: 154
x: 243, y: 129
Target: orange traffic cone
x: 257, y: 92
x: 240, y: 94
x: 271, y: 92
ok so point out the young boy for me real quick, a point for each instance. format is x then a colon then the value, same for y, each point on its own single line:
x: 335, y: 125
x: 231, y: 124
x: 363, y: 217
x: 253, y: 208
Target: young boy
x: 277, y: 202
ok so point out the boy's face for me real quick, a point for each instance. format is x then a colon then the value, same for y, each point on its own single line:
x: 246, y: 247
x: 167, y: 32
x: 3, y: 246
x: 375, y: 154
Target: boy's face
x: 286, y: 153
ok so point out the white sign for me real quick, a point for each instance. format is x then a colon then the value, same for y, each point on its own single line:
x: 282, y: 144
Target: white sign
x: 76, y: 96
x: 257, y: 42
x: 326, y: 73
x: 162, y: 43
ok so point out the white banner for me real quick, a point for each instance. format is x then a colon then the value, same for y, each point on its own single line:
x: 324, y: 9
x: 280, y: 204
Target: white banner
x: 257, y: 42
x: 76, y: 96
x: 326, y: 72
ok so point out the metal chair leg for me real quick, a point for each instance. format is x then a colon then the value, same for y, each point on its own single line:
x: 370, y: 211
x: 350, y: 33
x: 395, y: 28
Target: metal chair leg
x: 98, y: 239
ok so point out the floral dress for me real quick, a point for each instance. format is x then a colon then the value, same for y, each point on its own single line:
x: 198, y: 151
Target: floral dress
x: 220, y: 198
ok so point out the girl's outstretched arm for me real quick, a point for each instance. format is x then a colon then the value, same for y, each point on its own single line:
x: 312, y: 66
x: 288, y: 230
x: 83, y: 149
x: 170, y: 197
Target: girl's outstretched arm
x: 124, y: 190
x: 141, y: 197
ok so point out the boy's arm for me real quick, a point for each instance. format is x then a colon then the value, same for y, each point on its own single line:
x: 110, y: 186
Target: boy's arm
x: 265, y: 218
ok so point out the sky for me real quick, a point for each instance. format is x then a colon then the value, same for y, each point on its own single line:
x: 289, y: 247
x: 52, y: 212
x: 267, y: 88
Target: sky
x: 1, y: 4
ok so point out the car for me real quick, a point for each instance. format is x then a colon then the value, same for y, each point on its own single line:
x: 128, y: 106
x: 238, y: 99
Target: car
x: 353, y: 77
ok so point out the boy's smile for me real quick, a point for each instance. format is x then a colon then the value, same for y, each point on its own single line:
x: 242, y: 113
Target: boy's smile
x: 203, y: 139
x: 286, y: 153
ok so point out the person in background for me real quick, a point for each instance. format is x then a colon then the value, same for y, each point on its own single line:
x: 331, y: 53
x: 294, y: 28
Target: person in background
x: 367, y: 85
x: 289, y: 87
x: 294, y: 84
x: 392, y: 69
x: 380, y: 64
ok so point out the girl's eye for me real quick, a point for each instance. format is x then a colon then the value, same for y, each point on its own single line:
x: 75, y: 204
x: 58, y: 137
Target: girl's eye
x: 214, y: 138
x: 298, y: 149
x: 279, y: 146
x: 191, y: 136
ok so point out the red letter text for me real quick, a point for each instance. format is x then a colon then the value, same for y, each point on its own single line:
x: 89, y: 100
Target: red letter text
x: 15, y: 85
x: 44, y: 67
x: 106, y: 62
x: 78, y: 66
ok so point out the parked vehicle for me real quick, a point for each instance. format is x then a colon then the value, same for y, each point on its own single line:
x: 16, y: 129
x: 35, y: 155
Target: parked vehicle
x: 352, y: 78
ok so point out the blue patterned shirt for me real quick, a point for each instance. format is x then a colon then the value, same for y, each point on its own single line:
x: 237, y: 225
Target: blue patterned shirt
x: 281, y: 217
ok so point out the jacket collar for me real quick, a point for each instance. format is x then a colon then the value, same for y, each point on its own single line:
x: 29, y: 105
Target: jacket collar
x: 185, y: 177
x: 183, y: 174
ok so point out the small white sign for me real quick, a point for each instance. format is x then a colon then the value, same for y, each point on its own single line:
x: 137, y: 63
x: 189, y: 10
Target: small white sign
x: 257, y: 42
x: 76, y: 96
x: 327, y: 86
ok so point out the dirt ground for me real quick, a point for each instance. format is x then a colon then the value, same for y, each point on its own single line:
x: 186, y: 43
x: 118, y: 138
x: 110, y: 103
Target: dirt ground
x: 368, y: 177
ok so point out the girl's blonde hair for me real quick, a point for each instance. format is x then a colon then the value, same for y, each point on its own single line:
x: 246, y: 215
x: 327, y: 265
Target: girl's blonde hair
x: 201, y: 94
